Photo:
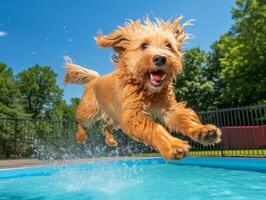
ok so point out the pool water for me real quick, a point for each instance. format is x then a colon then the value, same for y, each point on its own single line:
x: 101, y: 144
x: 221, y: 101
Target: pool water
x: 137, y: 179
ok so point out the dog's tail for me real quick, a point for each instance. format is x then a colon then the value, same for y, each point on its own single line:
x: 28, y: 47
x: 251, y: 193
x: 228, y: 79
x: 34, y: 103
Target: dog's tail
x: 77, y: 74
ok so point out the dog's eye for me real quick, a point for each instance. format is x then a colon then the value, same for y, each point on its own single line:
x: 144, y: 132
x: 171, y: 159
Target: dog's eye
x: 169, y: 46
x: 144, y: 46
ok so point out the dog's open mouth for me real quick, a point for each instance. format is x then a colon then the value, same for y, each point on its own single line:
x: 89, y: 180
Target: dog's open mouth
x: 157, y: 77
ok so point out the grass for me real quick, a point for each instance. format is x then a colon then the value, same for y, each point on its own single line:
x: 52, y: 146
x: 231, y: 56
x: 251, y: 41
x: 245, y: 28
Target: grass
x: 244, y: 153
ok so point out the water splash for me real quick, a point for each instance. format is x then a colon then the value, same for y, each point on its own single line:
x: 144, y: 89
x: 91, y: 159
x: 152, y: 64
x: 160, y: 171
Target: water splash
x: 100, y: 177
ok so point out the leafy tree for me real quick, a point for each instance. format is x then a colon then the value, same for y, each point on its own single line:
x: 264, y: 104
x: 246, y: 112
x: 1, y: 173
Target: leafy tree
x: 10, y: 105
x: 62, y: 110
x: 214, y: 68
x: 70, y: 112
x: 192, y: 85
x: 243, y: 61
x: 39, y: 90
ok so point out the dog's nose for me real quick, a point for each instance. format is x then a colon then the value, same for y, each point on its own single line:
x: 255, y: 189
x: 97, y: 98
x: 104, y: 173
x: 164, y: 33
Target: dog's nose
x: 159, y: 60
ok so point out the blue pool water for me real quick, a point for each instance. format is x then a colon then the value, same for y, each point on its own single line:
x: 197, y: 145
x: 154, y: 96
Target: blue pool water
x: 139, y: 179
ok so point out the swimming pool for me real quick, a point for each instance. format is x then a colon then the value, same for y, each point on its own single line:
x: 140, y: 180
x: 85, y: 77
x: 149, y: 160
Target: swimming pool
x: 154, y: 178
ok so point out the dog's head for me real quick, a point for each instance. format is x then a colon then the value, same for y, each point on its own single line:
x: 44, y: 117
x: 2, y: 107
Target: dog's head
x: 150, y: 51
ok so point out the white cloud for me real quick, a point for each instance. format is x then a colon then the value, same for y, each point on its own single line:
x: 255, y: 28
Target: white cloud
x: 3, y: 34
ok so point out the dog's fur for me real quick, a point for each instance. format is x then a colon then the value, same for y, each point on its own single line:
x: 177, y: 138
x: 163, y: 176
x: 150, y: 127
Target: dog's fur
x: 140, y: 89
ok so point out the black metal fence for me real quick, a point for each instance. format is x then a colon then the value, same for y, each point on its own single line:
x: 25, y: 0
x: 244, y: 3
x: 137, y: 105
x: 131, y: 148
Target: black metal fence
x: 50, y: 139
x: 244, y: 134
x: 20, y: 138
x: 243, y: 128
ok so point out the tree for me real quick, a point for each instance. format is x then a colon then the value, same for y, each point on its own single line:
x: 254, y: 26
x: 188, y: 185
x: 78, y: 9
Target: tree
x: 39, y: 90
x: 70, y: 111
x: 214, y: 68
x: 10, y: 105
x: 192, y: 85
x: 64, y: 111
x: 244, y: 60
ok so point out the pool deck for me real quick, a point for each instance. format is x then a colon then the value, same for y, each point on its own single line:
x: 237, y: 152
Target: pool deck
x: 17, y: 163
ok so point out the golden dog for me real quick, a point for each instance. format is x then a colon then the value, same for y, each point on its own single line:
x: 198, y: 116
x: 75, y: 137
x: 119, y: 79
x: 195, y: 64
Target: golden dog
x: 148, y: 57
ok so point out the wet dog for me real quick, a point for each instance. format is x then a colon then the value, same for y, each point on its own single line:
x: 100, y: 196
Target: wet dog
x: 148, y: 57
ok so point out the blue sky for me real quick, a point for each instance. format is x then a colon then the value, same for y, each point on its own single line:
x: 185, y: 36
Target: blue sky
x: 38, y: 31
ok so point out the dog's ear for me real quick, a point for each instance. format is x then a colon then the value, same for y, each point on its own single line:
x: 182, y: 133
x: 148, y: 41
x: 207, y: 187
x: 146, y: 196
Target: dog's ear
x: 179, y: 30
x: 118, y: 39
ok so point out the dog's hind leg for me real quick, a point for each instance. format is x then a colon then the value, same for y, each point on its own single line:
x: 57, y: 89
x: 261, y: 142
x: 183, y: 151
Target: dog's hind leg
x: 109, y: 138
x: 81, y: 135
x: 86, y: 114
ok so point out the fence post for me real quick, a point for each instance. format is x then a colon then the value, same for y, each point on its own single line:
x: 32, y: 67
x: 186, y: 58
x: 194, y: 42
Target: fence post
x: 15, y: 139
x: 222, y: 147
x: 5, y: 150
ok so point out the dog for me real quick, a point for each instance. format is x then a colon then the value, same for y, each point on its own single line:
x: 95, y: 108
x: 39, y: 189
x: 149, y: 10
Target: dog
x: 148, y: 57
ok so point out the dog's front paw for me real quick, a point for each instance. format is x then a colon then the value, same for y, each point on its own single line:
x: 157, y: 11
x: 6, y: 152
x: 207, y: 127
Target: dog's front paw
x: 174, y: 149
x: 207, y: 134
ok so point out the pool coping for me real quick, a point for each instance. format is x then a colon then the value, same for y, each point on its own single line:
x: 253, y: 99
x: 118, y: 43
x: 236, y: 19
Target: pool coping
x: 231, y: 163
x: 55, y: 167
x: 30, y: 163
x: 246, y: 164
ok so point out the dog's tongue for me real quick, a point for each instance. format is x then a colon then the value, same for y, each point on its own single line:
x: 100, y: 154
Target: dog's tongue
x: 156, y: 76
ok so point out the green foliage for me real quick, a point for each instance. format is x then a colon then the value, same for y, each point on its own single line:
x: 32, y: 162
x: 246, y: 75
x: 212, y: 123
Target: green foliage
x: 39, y: 90
x: 10, y: 105
x: 244, y: 60
x: 213, y: 70
x: 233, y: 73
x: 62, y: 110
x: 34, y: 94
x: 192, y: 85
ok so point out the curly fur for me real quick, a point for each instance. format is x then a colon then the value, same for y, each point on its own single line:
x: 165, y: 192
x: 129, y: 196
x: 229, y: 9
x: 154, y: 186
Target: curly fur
x: 128, y: 99
x: 79, y: 75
